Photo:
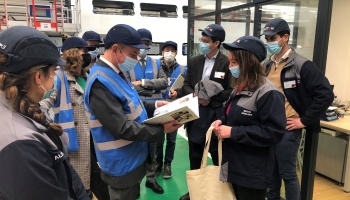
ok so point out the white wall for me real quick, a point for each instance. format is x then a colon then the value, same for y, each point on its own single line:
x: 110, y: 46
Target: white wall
x: 162, y: 29
x: 338, y: 58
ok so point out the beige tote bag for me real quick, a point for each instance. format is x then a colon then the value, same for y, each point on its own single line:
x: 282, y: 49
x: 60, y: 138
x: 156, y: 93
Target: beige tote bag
x: 204, y: 183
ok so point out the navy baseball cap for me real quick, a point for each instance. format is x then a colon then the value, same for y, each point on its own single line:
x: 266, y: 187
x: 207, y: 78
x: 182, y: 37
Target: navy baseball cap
x: 248, y: 43
x: 26, y: 47
x: 275, y: 26
x: 214, y: 30
x: 75, y: 42
x: 145, y: 34
x: 124, y: 34
x: 92, y: 36
x: 170, y: 43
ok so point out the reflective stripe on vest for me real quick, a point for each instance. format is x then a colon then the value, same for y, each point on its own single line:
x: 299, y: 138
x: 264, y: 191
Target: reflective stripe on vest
x: 63, y: 100
x: 116, y: 157
x: 63, y: 111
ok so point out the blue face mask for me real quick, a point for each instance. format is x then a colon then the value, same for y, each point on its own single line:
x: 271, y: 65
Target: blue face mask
x: 48, y: 93
x: 94, y: 54
x: 128, y: 63
x: 204, y: 48
x: 143, y: 53
x: 273, y: 47
x: 235, y: 71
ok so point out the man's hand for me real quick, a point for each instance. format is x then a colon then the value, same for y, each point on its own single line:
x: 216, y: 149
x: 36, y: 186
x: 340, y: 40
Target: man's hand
x: 161, y: 103
x: 203, y: 102
x: 172, y: 94
x: 171, y: 126
x: 294, y: 123
x: 137, y: 83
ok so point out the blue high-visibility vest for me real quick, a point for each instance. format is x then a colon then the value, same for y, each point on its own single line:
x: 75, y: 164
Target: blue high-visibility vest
x: 63, y: 111
x: 116, y: 156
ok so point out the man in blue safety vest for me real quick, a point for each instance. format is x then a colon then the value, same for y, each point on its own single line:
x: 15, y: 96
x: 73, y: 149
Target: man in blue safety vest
x: 116, y: 112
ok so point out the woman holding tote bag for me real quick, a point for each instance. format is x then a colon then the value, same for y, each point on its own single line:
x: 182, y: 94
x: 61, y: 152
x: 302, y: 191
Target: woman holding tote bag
x: 253, y: 123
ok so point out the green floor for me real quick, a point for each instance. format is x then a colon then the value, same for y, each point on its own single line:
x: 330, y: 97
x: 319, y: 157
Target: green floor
x: 176, y: 186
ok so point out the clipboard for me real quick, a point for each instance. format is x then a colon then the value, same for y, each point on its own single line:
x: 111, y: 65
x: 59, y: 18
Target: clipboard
x: 179, y: 82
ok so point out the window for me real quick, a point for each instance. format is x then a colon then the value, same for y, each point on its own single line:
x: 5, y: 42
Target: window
x: 184, y: 49
x: 158, y: 10
x: 155, y: 48
x: 110, y: 7
x: 185, y: 12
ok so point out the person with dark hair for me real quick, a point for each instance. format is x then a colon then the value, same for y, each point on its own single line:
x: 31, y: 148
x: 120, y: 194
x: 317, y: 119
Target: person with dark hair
x: 308, y: 95
x: 172, y: 69
x: 93, y: 39
x: 211, y: 66
x: 116, y: 114
x: 34, y: 162
x: 253, y: 123
x: 68, y: 107
x: 148, y: 80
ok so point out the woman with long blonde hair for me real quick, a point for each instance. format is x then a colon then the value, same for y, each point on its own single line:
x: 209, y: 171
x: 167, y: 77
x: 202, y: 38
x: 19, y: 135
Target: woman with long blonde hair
x: 34, y: 163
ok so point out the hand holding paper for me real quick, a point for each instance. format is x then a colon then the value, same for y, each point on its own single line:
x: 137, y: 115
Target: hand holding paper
x: 171, y: 126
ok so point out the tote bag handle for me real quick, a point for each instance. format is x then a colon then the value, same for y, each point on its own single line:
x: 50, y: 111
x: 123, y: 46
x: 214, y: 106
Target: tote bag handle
x: 207, y: 146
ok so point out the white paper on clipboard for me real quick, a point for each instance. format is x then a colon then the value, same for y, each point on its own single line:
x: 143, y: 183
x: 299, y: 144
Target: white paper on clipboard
x: 179, y: 82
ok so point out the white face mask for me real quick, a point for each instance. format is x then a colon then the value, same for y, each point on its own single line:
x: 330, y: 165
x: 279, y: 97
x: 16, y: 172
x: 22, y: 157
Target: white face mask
x: 169, y: 56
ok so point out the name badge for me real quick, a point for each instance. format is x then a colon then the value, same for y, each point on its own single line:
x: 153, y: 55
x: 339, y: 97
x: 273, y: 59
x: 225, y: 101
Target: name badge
x: 219, y: 75
x: 80, y: 100
x: 289, y: 84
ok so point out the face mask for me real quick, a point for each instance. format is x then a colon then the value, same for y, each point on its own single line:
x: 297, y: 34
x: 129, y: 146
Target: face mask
x: 94, y: 54
x: 169, y: 56
x: 48, y: 93
x: 128, y: 63
x: 235, y: 71
x: 143, y: 53
x: 86, y: 59
x: 204, y: 48
x: 273, y: 47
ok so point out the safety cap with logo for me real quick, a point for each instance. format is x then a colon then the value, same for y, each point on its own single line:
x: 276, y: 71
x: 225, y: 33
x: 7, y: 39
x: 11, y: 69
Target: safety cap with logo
x: 249, y: 43
x: 75, y: 42
x: 214, y: 30
x: 124, y: 34
x: 26, y: 47
x: 275, y: 26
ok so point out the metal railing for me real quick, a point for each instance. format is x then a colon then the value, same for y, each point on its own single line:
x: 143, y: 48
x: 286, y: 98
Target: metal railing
x: 62, y: 17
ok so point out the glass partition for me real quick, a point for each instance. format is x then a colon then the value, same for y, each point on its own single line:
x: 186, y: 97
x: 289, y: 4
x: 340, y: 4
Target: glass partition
x: 195, y: 34
x: 204, y: 6
x: 237, y: 23
x: 301, y: 16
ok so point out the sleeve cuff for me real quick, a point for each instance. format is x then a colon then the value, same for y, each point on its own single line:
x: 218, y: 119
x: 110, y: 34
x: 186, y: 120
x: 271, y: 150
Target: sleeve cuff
x: 143, y: 82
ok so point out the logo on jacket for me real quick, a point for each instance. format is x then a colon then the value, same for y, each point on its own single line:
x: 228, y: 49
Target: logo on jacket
x: 247, y: 112
x: 59, y: 156
x: 2, y: 46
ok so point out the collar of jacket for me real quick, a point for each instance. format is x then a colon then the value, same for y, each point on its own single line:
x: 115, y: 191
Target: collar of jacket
x: 244, y: 92
x: 4, y: 101
x: 289, y: 62
x: 218, y: 56
x: 71, y: 78
x: 165, y: 67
